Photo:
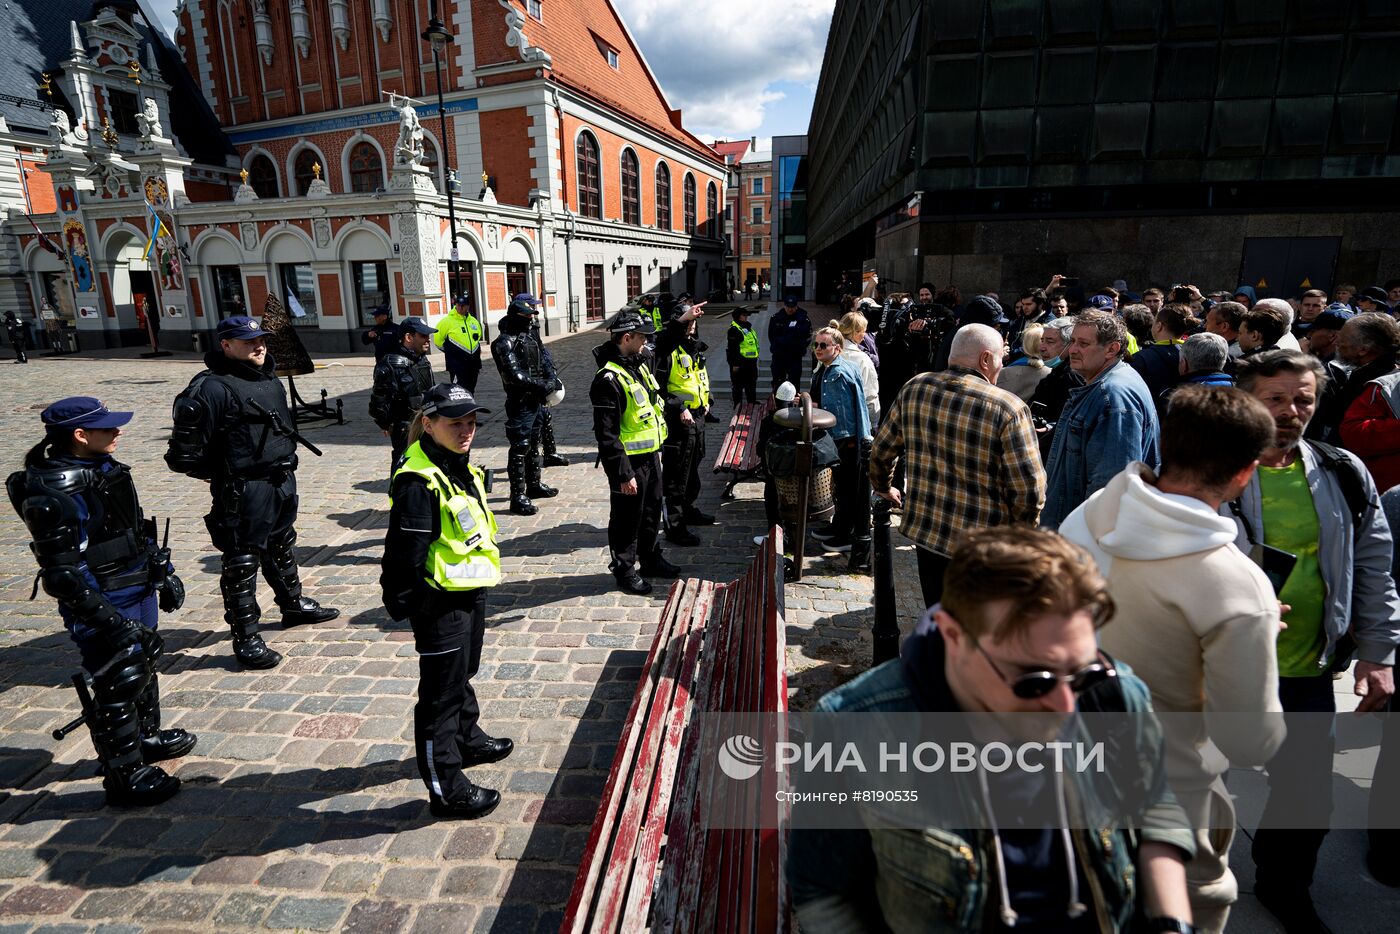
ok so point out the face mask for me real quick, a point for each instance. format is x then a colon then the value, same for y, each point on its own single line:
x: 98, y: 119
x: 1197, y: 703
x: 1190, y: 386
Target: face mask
x: 1052, y: 362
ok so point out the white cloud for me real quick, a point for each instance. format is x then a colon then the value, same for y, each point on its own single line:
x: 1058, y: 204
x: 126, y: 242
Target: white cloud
x: 718, y: 59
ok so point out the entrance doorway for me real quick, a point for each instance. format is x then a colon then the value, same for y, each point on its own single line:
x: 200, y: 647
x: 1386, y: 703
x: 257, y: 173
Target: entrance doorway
x: 1286, y: 267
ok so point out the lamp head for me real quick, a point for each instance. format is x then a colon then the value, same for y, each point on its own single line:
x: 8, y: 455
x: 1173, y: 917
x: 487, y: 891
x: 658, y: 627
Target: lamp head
x: 437, y: 34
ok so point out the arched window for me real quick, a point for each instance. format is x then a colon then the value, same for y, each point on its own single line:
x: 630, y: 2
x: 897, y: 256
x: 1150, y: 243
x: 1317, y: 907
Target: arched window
x: 430, y: 162
x: 302, y: 169
x: 590, y: 191
x: 262, y: 177
x: 631, y: 188
x: 689, y: 203
x: 711, y: 210
x: 663, y: 196
x: 366, y: 168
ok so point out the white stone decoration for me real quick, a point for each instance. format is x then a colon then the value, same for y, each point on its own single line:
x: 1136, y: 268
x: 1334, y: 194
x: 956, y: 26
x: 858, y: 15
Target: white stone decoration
x: 383, y: 19
x: 262, y: 30
x: 418, y: 252
x: 493, y: 236
x: 148, y: 123
x: 245, y: 194
x: 340, y: 22
x: 61, y: 129
x: 249, y: 234
x: 408, y: 148
x: 322, y: 228
x: 318, y: 189
x: 516, y: 38
x: 76, y: 50
x: 301, y: 27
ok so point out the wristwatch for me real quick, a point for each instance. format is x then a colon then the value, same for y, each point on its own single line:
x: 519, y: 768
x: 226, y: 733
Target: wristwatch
x: 1168, y: 925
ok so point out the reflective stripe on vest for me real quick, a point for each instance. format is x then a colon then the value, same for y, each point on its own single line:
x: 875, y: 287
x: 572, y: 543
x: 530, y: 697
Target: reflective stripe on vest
x: 464, y: 556
x: 642, y: 429
x: 748, y: 342
x: 688, y: 382
x: 462, y: 330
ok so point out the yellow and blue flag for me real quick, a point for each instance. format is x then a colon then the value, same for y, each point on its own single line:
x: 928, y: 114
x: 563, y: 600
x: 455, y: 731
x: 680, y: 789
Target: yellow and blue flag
x: 157, y: 231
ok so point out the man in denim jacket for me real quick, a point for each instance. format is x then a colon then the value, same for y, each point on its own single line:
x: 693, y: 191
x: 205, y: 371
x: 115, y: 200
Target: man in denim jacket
x: 1108, y: 423
x: 1015, y: 633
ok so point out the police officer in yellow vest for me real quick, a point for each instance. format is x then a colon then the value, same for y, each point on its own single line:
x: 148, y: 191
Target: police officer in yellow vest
x: 630, y: 428
x: 440, y: 556
x: 459, y: 338
x: 680, y: 371
x: 741, y: 354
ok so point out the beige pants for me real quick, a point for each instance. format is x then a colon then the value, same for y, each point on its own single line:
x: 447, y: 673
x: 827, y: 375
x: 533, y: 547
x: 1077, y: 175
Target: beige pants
x: 1211, y: 886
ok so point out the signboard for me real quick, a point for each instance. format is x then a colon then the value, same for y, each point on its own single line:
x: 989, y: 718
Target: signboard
x: 792, y: 277
x: 88, y: 312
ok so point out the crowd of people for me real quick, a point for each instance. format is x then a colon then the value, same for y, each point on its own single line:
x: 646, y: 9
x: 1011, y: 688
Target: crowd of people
x: 1229, y: 463
x: 1179, y: 498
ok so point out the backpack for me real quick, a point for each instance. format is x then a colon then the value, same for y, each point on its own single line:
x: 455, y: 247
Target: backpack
x: 1349, y: 478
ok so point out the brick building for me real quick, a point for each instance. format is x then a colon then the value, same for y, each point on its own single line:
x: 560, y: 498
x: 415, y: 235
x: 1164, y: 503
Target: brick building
x: 748, y: 212
x: 574, y: 179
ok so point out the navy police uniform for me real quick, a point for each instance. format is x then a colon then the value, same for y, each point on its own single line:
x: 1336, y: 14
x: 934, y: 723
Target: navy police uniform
x: 400, y: 380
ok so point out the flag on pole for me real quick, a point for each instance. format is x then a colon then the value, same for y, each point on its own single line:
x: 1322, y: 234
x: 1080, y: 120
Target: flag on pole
x: 158, y: 230
x: 44, y: 241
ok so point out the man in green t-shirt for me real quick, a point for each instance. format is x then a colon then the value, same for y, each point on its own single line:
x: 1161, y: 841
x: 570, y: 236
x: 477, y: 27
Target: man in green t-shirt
x: 1318, y: 504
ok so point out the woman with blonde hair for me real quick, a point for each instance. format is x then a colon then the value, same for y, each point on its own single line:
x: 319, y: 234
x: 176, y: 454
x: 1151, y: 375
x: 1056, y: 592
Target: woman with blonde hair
x: 1026, y: 373
x: 852, y: 326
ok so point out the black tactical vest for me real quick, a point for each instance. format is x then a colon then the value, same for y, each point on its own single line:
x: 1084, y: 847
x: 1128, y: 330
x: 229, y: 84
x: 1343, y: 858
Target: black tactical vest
x: 118, y: 537
x: 249, y: 445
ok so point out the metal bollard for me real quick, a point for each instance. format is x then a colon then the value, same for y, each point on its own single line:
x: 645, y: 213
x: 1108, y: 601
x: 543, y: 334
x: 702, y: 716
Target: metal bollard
x: 885, y: 630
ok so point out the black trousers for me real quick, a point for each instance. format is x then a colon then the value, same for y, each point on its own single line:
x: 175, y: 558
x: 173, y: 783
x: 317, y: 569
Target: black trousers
x: 398, y: 443
x: 1294, y: 822
x: 932, y: 567
x: 680, y: 463
x: 448, y: 631
x: 745, y: 379
x: 634, y: 521
x: 523, y: 423
x: 246, y: 513
x: 467, y: 373
x: 852, y: 493
x: 789, y: 370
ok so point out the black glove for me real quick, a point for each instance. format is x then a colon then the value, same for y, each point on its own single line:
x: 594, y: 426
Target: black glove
x: 172, y: 594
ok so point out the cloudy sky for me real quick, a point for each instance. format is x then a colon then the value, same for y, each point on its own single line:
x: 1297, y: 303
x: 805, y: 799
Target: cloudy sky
x: 735, y: 68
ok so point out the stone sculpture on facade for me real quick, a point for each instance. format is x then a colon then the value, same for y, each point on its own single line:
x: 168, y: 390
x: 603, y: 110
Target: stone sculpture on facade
x: 408, y: 149
x: 516, y: 38
x: 148, y: 123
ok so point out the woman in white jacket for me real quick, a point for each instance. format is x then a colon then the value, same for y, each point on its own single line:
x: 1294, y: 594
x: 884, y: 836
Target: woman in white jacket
x: 852, y: 327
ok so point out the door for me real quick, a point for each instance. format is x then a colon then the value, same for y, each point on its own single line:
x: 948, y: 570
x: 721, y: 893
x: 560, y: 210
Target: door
x: 1286, y: 267
x: 593, y: 291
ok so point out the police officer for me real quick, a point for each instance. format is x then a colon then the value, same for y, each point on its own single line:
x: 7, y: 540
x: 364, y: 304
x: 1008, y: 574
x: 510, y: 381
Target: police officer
x: 527, y: 373
x: 549, y: 447
x: 384, y: 335
x: 233, y: 428
x: 99, y: 559
x: 630, y: 428
x: 459, y: 337
x: 440, y: 557
x: 650, y: 308
x: 15, y: 332
x: 400, y: 380
x: 742, y: 356
x: 680, y: 371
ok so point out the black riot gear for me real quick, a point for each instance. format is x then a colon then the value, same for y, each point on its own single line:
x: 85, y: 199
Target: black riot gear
x: 400, y: 380
x: 234, y: 428
x: 98, y: 558
x: 527, y: 373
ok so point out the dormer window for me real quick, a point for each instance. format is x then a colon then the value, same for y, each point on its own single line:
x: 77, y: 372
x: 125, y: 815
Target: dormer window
x: 124, y: 105
x: 611, y: 56
x: 535, y: 8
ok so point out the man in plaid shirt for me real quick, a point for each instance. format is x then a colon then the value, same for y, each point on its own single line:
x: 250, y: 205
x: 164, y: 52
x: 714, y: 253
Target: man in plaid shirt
x: 971, y: 459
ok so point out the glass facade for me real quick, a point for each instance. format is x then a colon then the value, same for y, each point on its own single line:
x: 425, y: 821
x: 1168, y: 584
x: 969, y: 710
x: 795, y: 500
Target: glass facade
x: 1007, y: 106
x: 789, y: 216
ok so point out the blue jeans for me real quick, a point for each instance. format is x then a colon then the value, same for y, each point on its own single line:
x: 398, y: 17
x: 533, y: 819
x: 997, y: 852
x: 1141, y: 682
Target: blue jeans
x: 1294, y: 822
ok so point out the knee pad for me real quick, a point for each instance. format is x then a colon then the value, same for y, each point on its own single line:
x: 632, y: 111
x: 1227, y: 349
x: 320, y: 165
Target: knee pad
x: 122, y: 683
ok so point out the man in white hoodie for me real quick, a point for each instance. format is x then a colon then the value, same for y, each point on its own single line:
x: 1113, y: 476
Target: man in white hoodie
x: 1197, y: 619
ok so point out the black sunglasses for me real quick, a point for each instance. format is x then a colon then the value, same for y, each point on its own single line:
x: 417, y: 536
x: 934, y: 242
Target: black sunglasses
x: 1035, y: 684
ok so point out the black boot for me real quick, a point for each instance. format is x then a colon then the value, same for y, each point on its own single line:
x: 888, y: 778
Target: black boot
x: 537, y: 488
x: 494, y: 749
x: 693, y: 516
x: 658, y: 566
x: 279, y: 566
x: 678, y: 534
x: 476, y: 803
x: 859, y: 562
x: 628, y: 580
x: 519, y: 501
x: 552, y: 457
x: 239, y: 583
x: 157, y: 745
x: 116, y: 737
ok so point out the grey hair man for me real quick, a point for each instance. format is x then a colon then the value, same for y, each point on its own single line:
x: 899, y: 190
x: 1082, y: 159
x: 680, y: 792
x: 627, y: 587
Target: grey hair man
x: 1287, y: 341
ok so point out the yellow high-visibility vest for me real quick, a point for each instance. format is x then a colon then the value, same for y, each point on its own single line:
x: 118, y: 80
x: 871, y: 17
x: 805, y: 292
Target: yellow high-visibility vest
x: 642, y: 429
x: 465, y: 555
x: 687, y: 381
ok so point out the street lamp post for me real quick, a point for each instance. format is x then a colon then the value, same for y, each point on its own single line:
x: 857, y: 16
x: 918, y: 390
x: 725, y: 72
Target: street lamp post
x: 439, y: 38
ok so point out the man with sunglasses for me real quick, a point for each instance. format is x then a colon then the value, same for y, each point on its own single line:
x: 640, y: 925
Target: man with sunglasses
x: 1015, y: 633
x: 1205, y: 649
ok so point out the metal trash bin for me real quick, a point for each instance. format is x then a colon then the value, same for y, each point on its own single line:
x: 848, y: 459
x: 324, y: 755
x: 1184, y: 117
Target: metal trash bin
x: 821, y: 497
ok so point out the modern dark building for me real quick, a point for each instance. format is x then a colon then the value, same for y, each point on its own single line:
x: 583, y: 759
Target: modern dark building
x: 992, y: 143
x: 793, y: 273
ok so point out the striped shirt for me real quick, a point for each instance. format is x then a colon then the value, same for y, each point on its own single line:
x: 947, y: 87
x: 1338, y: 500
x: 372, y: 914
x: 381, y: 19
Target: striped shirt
x: 971, y: 458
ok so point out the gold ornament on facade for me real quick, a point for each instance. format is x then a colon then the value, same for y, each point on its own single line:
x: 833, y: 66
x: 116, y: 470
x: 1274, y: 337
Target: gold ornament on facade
x: 316, y: 170
x: 243, y: 174
x: 46, y: 85
x: 135, y: 67
x: 109, y: 135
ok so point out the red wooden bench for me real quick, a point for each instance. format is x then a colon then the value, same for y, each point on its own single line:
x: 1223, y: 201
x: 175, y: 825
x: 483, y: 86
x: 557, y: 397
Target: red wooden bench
x: 738, y: 452
x: 653, y: 860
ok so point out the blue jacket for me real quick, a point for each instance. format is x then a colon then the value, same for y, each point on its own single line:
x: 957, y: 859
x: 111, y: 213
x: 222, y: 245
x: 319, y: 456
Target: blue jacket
x: 838, y: 389
x: 789, y: 335
x: 892, y: 879
x: 1105, y: 426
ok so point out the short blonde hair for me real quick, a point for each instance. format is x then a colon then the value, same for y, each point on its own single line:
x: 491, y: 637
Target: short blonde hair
x: 831, y: 331
x: 851, y: 324
x: 1030, y: 342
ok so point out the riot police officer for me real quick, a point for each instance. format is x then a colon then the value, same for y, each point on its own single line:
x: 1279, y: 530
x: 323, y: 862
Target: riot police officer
x: 440, y: 557
x: 98, y: 558
x: 630, y: 428
x: 527, y: 373
x: 459, y: 337
x: 233, y: 429
x: 680, y: 371
x: 14, y: 331
x: 549, y: 447
x: 400, y: 380
x: 384, y: 336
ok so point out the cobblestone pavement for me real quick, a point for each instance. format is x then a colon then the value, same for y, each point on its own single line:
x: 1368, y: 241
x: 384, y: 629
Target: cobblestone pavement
x: 301, y: 807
